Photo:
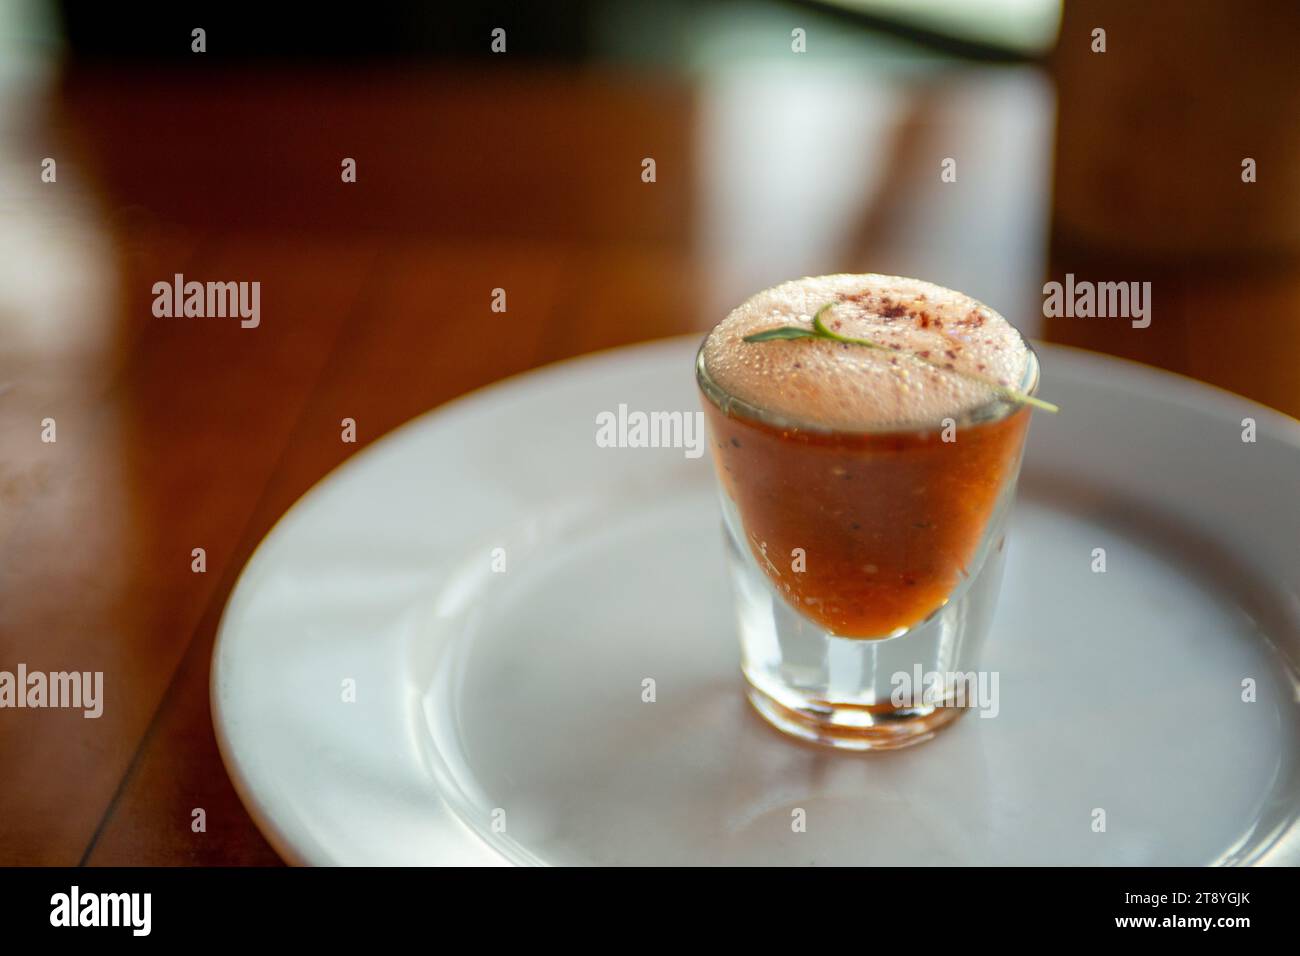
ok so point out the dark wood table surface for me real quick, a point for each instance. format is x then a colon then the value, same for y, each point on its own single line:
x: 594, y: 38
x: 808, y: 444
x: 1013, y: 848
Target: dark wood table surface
x: 176, y: 434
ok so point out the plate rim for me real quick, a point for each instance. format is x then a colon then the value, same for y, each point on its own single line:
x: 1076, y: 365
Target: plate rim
x: 1146, y: 377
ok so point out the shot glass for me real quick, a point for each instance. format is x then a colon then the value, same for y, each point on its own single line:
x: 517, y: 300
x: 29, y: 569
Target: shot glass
x: 865, y: 564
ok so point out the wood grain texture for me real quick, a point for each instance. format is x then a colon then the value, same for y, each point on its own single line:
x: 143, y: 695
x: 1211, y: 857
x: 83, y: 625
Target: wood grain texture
x: 182, y: 433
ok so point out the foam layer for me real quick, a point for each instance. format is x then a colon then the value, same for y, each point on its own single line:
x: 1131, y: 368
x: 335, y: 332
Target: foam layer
x: 850, y: 387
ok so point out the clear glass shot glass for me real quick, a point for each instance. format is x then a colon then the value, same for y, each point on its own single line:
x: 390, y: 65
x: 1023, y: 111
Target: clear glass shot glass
x: 866, y: 565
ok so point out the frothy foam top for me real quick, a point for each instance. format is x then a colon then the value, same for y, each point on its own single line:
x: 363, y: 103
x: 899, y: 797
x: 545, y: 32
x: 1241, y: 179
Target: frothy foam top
x: 852, y: 387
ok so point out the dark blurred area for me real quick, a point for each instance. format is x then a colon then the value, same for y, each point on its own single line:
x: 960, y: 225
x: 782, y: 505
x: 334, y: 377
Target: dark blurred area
x: 1142, y: 171
x: 248, y: 33
x: 787, y: 139
x: 1150, y: 182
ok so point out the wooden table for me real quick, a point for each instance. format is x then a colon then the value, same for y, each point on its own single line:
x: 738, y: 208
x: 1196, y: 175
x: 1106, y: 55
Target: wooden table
x: 177, y: 434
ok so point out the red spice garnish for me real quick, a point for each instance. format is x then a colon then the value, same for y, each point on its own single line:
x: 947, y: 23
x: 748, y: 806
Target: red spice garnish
x: 892, y: 311
x: 925, y: 354
x: 925, y: 320
x: 950, y: 353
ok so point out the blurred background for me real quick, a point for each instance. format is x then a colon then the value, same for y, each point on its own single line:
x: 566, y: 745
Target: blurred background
x: 522, y: 170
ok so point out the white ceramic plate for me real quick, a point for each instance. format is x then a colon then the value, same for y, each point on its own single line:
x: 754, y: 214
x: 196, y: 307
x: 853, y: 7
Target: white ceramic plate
x: 498, y: 717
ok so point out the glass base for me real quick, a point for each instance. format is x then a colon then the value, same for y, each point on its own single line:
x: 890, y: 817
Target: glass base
x: 865, y: 694
x: 854, y: 728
